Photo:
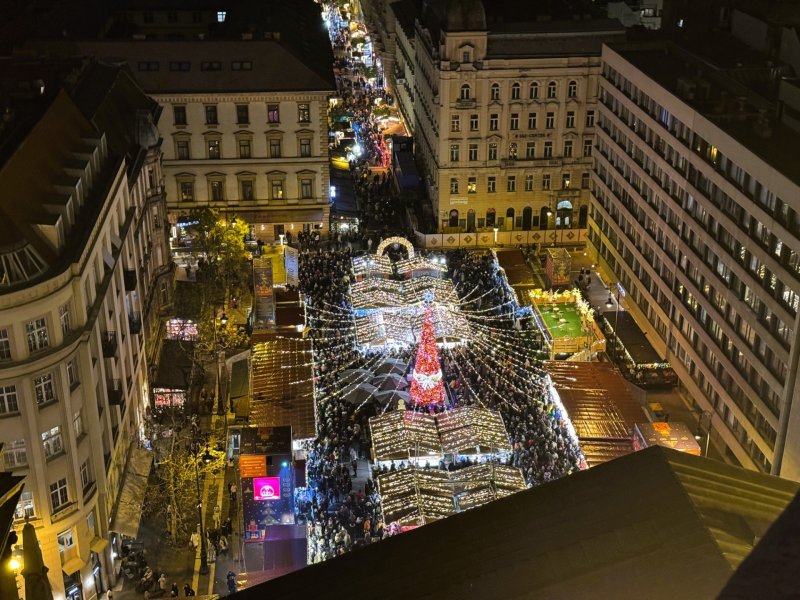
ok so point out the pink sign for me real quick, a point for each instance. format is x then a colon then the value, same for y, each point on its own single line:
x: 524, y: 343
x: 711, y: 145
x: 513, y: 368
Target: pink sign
x: 267, y: 488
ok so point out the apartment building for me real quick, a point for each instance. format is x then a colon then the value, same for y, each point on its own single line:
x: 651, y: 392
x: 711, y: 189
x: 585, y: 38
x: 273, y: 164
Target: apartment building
x: 505, y: 114
x: 245, y: 102
x: 84, y: 270
x: 695, y: 212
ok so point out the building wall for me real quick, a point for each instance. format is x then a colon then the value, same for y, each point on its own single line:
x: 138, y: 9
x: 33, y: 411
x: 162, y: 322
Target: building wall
x: 704, y: 235
x: 469, y: 134
x: 93, y: 293
x: 232, y: 168
x: 402, y: 76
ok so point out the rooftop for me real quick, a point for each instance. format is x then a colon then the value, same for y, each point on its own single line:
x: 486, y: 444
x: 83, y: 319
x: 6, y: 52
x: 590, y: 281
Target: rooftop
x: 737, y: 92
x: 658, y: 523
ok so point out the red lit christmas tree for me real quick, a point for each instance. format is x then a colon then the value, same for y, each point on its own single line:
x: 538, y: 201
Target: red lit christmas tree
x: 426, y: 386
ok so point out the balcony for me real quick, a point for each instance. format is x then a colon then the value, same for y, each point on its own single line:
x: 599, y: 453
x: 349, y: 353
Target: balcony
x: 109, y: 343
x: 135, y: 322
x: 129, y: 276
x: 115, y: 392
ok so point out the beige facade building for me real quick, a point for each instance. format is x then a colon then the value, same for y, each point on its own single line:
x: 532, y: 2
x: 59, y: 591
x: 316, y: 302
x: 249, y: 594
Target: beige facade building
x: 84, y: 275
x: 695, y: 212
x: 505, y: 117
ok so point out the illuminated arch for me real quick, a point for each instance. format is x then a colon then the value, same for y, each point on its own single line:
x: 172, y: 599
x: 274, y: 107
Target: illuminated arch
x: 395, y: 240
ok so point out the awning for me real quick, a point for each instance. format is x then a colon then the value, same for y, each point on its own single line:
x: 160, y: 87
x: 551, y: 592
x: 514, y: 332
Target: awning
x: 73, y: 565
x: 298, y: 215
x: 98, y: 544
x: 129, y: 504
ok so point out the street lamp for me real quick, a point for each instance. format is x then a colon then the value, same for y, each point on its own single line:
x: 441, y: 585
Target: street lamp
x: 698, y: 435
x: 206, y: 458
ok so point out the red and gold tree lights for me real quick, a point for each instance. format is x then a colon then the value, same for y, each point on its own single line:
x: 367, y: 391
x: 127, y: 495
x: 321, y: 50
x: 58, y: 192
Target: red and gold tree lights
x: 426, y: 385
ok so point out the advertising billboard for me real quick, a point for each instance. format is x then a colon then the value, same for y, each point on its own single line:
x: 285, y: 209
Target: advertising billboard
x: 267, y: 488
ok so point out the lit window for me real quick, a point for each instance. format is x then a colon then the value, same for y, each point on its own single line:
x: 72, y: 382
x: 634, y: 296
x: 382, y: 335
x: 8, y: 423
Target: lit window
x: 52, y: 442
x: 221, y: 14
x: 472, y: 185
x: 25, y: 507
x: 37, y: 334
x: 304, y: 113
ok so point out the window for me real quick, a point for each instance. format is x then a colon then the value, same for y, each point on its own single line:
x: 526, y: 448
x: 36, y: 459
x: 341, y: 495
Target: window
x: 52, y: 442
x: 512, y: 150
x: 213, y: 149
x: 454, y: 185
x: 8, y: 399
x: 217, y: 188
x: 172, y: 16
x: 590, y: 118
x: 548, y: 149
x: 514, y: 120
x: 495, y: 91
x: 187, y: 191
x: 455, y: 123
x: 147, y: 17
x: 304, y: 113
x: 491, y: 184
x: 182, y: 149
x: 77, y: 424
x: 466, y: 92
x: 275, y: 147
x: 148, y: 65
x: 473, y: 152
x: 567, y: 148
x: 465, y: 56
x: 247, y: 189
x: 490, y: 217
x: 530, y: 150
x: 72, y: 373
x: 528, y: 183
x: 473, y: 122
x: 211, y: 65
x: 25, y: 506
x: 511, y: 183
x: 533, y: 91
x: 180, y: 65
x: 306, y: 188
x: 221, y: 14
x: 546, y: 181
x: 86, y: 475
x: 570, y: 119
x: 587, y: 147
x: 242, y: 114
x: 63, y: 318
x: 5, y: 345
x: 305, y: 147
x: 515, y: 88
x: 585, y: 180
x: 494, y: 121
x: 244, y: 148
x: 36, y: 331
x: 15, y: 454
x: 531, y: 120
x: 65, y: 541
x: 211, y: 114
x: 572, y: 89
x: 550, y: 120
x: 179, y: 114
x: 551, y: 89
x: 492, y: 151
x: 455, y: 153
x: 472, y: 185
x: 276, y: 187
x: 44, y: 388
x: 565, y: 180
x: 273, y: 113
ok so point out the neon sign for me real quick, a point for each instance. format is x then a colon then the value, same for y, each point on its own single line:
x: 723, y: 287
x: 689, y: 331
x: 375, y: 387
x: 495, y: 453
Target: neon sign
x: 267, y: 488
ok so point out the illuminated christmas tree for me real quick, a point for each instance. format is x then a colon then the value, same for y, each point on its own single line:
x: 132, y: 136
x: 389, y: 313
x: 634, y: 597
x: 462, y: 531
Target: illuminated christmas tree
x: 426, y: 386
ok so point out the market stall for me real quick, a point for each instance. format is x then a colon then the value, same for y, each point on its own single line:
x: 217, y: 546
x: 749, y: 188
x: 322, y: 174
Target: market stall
x: 567, y: 323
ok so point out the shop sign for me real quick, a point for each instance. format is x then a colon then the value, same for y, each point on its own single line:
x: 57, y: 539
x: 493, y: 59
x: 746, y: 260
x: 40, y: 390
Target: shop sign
x: 267, y: 488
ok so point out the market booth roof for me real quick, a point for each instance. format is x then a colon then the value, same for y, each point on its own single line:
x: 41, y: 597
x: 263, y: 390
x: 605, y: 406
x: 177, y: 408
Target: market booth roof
x: 402, y: 433
x: 600, y: 405
x: 414, y: 496
x: 472, y: 430
x: 659, y: 524
x: 475, y: 486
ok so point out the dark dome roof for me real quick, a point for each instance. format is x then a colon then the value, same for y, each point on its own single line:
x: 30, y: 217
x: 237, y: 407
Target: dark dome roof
x: 465, y: 15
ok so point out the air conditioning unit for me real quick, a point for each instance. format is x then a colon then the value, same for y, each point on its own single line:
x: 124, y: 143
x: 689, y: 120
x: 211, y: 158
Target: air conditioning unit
x: 401, y: 81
